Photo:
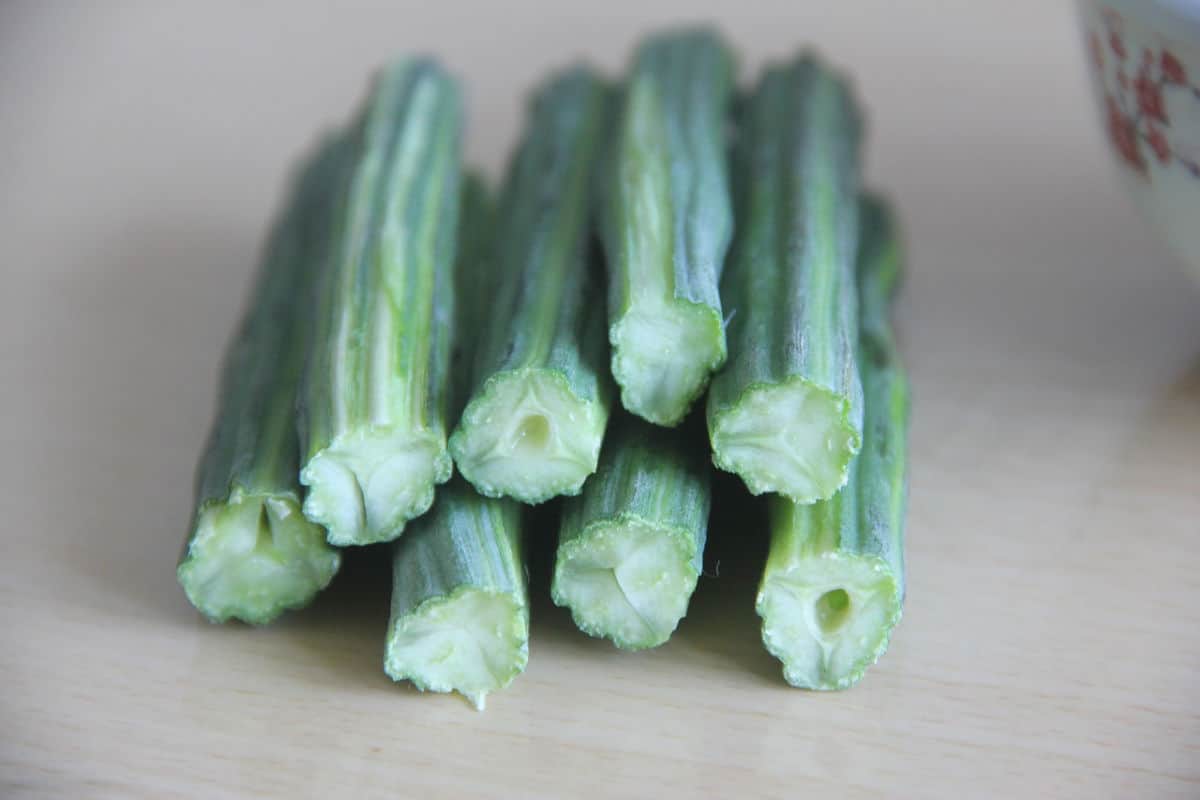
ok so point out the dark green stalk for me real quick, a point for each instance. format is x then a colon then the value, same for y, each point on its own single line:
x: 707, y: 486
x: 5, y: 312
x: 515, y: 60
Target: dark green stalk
x: 374, y: 402
x: 666, y: 223
x: 540, y: 399
x: 251, y: 553
x: 786, y: 413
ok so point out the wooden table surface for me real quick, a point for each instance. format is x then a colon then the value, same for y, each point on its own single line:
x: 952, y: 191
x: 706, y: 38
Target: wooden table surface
x: 1051, y: 640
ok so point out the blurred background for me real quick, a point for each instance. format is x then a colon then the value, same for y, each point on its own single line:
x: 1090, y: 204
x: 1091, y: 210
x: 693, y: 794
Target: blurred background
x: 1054, y: 346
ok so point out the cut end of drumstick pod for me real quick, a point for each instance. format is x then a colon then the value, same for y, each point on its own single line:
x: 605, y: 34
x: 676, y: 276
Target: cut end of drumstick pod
x: 663, y: 354
x: 796, y: 438
x: 830, y: 625
x: 460, y: 604
x: 526, y: 435
x: 254, y: 557
x: 366, y: 488
x: 632, y: 545
x: 628, y: 580
x: 827, y: 617
x: 472, y: 641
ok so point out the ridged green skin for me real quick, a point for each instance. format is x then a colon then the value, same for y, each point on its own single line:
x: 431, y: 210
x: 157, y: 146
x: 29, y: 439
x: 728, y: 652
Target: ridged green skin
x: 666, y: 218
x: 377, y: 382
x: 252, y: 454
x: 789, y: 288
x: 536, y: 315
x: 474, y: 281
x: 652, y: 487
x: 467, y: 547
x: 459, y: 577
x: 863, y: 525
x: 882, y: 468
x: 542, y: 314
x: 465, y: 540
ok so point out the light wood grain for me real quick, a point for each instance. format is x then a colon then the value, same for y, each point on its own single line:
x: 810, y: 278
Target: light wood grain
x: 1051, y: 640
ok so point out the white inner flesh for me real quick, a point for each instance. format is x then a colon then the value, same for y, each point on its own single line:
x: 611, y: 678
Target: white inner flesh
x: 626, y: 581
x: 790, y: 439
x: 254, y: 557
x: 528, y: 437
x: 662, y: 355
x: 471, y: 642
x: 366, y: 487
x: 828, y: 619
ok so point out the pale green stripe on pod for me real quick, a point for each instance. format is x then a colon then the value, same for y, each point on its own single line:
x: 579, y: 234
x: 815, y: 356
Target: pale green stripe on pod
x: 375, y: 397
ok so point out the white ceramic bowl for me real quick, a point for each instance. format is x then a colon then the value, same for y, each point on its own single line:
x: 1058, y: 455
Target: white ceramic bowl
x: 1145, y: 61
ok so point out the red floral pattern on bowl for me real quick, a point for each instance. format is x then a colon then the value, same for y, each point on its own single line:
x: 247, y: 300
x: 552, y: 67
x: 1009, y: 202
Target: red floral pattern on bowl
x: 1145, y: 59
x: 1136, y: 87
